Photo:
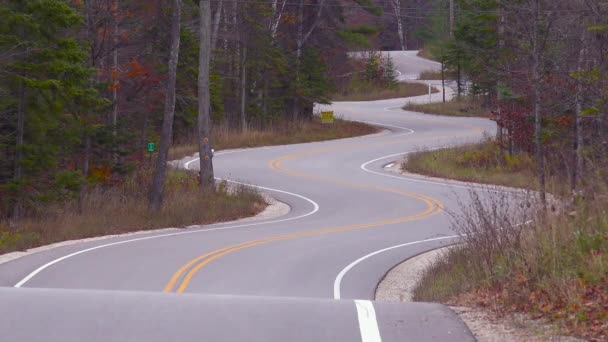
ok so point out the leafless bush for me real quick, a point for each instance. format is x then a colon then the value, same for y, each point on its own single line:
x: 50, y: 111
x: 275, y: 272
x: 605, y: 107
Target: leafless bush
x: 491, y: 224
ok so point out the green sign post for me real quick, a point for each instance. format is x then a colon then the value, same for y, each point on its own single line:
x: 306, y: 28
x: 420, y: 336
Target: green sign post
x: 151, y: 147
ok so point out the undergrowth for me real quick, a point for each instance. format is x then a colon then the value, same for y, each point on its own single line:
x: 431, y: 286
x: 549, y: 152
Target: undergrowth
x: 123, y: 208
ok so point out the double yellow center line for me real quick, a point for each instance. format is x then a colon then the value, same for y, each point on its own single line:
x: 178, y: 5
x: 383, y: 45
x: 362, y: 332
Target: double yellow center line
x: 182, y: 278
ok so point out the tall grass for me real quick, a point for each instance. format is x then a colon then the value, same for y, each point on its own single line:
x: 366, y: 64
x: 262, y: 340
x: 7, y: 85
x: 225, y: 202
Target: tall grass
x: 479, y: 163
x: 123, y: 208
x: 281, y: 133
x: 436, y: 75
x: 368, y: 92
x: 466, y: 106
x: 555, y: 267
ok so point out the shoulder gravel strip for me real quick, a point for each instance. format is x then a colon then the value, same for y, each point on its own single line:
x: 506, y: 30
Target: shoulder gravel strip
x: 399, y: 283
x: 273, y: 210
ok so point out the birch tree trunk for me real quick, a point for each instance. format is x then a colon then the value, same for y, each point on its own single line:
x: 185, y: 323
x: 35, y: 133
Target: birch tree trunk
x: 204, y: 106
x: 158, y: 183
x: 276, y: 20
x: 397, y: 9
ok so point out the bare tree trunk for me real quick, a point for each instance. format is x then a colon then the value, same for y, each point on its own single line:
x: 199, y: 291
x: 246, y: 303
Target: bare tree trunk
x: 451, y: 18
x: 499, y: 127
x: 85, y: 171
x: 18, y: 173
x: 278, y: 14
x: 536, y: 68
x: 299, y: 44
x: 579, y: 142
x: 243, y: 89
x: 459, y: 79
x: 158, y: 182
x: 216, y: 24
x: 397, y: 9
x: 204, y: 105
x: 115, y: 73
x: 443, y: 78
x: 300, y: 41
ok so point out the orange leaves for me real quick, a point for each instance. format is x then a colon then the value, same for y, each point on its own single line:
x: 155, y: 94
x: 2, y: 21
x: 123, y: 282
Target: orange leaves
x: 114, y: 86
x: 289, y: 19
x: 100, y: 175
x: 135, y: 69
x: 565, y: 121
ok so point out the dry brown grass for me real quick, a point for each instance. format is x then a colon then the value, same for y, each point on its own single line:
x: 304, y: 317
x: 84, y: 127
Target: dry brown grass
x: 434, y: 75
x: 478, y: 163
x: 279, y: 134
x: 426, y: 53
x: 366, y: 93
x: 123, y: 208
x: 467, y: 107
x: 555, y: 267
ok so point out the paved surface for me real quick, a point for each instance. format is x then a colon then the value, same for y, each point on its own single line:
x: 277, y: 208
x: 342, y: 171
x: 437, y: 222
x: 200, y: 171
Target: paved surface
x: 269, y: 280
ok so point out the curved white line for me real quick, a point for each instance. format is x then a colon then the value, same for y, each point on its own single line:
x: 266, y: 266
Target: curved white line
x: 486, y: 188
x: 47, y: 265
x: 340, y: 276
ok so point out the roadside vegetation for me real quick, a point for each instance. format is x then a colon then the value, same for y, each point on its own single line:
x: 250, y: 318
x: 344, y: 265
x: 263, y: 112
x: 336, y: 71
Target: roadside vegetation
x: 425, y: 52
x: 365, y: 92
x: 555, y: 268
x: 278, y: 134
x: 434, y: 75
x: 478, y: 163
x: 375, y: 78
x: 123, y: 208
x: 465, y: 106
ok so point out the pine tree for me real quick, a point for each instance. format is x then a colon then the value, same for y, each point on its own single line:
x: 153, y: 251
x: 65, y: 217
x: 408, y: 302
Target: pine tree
x: 44, y: 75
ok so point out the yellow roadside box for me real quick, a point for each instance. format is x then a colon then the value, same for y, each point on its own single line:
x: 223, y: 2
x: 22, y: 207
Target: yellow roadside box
x: 327, y: 117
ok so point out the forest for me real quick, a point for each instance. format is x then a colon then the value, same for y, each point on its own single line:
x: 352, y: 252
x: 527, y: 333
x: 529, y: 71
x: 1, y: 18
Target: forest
x: 93, y: 93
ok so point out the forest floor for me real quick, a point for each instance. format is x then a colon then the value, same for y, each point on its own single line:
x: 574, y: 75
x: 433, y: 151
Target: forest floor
x: 466, y: 106
x: 553, y: 268
x: 371, y: 93
x: 280, y: 134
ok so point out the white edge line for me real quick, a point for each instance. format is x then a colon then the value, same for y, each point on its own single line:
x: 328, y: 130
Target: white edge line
x: 340, y: 276
x: 51, y: 263
x: 368, y: 324
x: 487, y: 188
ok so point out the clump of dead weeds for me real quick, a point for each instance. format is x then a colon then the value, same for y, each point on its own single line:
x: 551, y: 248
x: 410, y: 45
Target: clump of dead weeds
x: 518, y: 258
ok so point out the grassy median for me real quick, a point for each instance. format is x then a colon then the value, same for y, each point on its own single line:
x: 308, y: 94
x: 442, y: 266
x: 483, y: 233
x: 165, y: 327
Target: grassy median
x: 366, y: 92
x: 466, y: 106
x: 478, y: 163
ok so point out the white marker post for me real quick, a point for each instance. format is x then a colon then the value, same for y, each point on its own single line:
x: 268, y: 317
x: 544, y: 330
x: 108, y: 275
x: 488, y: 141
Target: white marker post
x: 429, y: 92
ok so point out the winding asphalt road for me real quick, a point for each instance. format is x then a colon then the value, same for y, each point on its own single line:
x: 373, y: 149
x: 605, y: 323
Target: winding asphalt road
x: 307, y: 276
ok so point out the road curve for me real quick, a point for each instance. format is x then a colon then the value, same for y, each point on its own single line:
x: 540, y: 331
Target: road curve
x: 307, y: 276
